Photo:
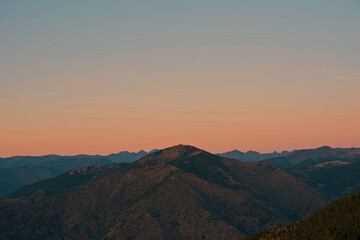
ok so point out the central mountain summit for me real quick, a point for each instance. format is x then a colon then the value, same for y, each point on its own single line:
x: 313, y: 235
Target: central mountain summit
x: 175, y: 153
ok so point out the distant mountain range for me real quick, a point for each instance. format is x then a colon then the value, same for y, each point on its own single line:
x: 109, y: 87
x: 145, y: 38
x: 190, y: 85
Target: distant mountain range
x: 339, y: 220
x: 306, y: 157
x: 252, y: 156
x: 180, y: 192
x: 20, y: 170
x: 56, y: 160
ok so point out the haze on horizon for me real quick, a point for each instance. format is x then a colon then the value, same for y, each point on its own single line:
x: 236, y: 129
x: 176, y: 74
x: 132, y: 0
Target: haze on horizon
x: 100, y: 77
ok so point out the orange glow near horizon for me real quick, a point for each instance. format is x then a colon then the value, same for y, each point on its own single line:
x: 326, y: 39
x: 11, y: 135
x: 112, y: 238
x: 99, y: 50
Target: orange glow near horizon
x: 213, y: 121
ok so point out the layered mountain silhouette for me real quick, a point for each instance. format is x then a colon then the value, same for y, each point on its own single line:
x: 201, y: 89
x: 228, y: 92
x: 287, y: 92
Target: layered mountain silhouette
x: 12, y: 179
x: 252, y: 156
x: 56, y: 160
x: 20, y: 170
x: 308, y: 157
x: 340, y: 220
x: 180, y: 192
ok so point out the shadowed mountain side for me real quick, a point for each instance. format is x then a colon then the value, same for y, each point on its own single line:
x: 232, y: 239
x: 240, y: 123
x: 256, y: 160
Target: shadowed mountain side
x: 177, y: 193
x: 68, y: 181
x: 339, y: 220
x: 334, y: 179
x: 278, y: 188
x: 11, y: 179
x: 14, y: 178
x: 333, y: 172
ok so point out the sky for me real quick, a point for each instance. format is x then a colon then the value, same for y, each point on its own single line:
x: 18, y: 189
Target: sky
x: 97, y: 77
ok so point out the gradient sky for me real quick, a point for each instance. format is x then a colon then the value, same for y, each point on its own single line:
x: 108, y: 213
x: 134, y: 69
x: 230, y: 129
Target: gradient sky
x: 105, y: 76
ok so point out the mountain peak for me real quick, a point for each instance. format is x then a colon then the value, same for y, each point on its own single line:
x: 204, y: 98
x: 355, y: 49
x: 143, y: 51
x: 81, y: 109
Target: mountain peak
x: 182, y: 147
x: 327, y: 148
x: 252, y: 152
x: 236, y: 151
x: 172, y: 153
x: 180, y: 150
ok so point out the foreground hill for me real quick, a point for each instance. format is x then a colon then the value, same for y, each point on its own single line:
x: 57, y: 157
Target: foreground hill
x: 17, y: 171
x: 340, y: 220
x: 176, y: 193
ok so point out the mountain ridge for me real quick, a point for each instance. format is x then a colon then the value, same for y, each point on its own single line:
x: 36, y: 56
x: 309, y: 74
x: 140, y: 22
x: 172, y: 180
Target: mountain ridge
x: 252, y: 156
x: 313, y: 156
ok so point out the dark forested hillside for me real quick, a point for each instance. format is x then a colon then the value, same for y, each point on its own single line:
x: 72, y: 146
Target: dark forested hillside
x: 333, y: 172
x: 340, y: 220
x: 333, y: 180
